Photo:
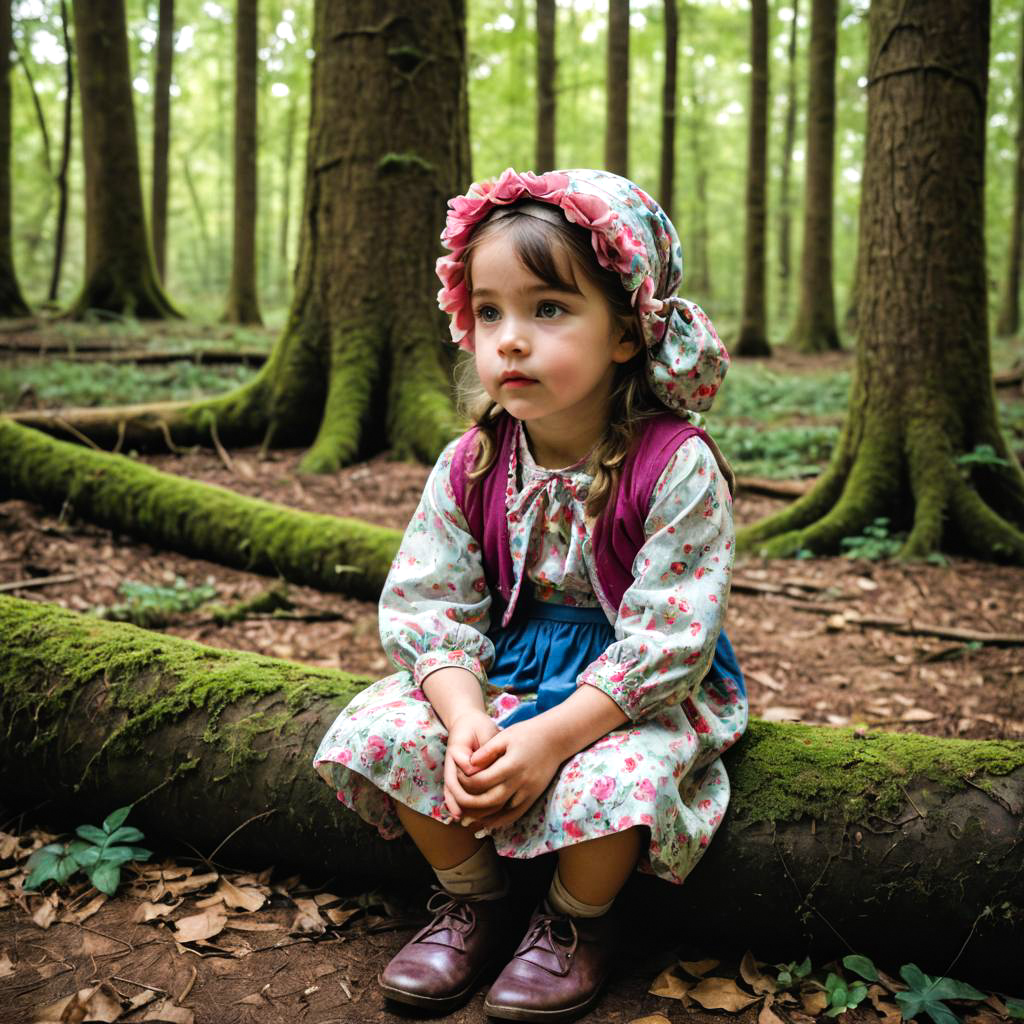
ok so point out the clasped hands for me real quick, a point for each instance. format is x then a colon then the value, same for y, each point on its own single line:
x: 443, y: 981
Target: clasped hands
x: 493, y: 776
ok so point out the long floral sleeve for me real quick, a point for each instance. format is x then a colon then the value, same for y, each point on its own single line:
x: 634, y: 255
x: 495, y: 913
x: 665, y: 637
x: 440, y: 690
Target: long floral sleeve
x: 434, y: 609
x: 670, y: 617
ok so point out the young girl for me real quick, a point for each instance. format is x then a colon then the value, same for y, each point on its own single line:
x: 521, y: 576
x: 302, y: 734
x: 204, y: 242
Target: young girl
x: 555, y: 609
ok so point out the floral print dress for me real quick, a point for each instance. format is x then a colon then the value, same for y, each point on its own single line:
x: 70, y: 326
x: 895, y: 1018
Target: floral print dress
x: 661, y: 768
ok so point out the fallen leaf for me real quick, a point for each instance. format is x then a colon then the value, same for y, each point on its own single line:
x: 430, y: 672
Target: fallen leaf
x: 721, y: 994
x: 651, y: 1018
x: 321, y: 899
x: 814, y: 1002
x: 891, y: 1014
x: 147, y: 911
x: 766, y: 680
x: 983, y: 1017
x: 242, y: 925
x: 750, y: 972
x: 8, y: 845
x: 918, y: 715
x: 339, y: 917
x: 782, y: 714
x: 767, y: 1015
x: 193, y: 884
x: 78, y: 916
x: 866, y: 584
x: 7, y: 967
x: 171, y: 1014
x: 46, y: 913
x: 997, y: 1004
x: 197, y: 927
x: 253, y: 1000
x: 240, y: 897
x: 142, y: 999
x: 308, y: 920
x: 698, y: 968
x: 91, y: 1004
x: 669, y: 985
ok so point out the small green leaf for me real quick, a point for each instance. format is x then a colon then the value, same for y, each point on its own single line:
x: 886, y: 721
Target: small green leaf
x: 105, y: 876
x: 87, y: 855
x: 785, y: 979
x: 861, y: 965
x: 93, y: 834
x: 116, y: 819
x: 803, y: 969
x: 126, y: 834
x: 947, y: 988
x: 1015, y: 1007
x: 834, y: 1011
x: 118, y: 854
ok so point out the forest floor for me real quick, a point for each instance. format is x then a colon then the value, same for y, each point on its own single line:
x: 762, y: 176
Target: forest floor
x: 833, y: 641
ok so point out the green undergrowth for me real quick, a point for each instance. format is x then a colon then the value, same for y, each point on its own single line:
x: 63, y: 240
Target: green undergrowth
x: 754, y: 393
x: 787, y: 772
x: 152, y: 678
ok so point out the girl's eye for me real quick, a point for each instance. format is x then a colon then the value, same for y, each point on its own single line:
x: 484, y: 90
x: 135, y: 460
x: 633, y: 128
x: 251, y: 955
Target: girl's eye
x: 486, y: 314
x: 548, y: 310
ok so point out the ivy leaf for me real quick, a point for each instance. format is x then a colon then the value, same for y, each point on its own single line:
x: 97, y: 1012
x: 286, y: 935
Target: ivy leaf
x: 861, y: 965
x: 126, y: 834
x: 93, y: 834
x: 1016, y: 1008
x: 116, y: 818
x: 120, y: 854
x: 105, y: 876
x: 86, y: 854
x: 926, y: 994
x: 51, y: 863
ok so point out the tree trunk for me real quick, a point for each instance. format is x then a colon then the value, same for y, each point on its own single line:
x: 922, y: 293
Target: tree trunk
x: 1008, y: 319
x: 283, y: 251
x: 753, y: 338
x: 922, y: 395
x: 698, y: 275
x: 785, y: 212
x: 815, y: 326
x: 243, y: 307
x: 616, y: 127
x: 162, y: 133
x: 361, y: 364
x: 668, y: 109
x: 119, y: 271
x: 546, y: 71
x: 11, y: 301
x: 60, y: 229
x: 896, y: 841
x: 334, y: 554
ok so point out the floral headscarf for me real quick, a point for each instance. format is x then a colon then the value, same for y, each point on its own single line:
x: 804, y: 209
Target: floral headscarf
x: 631, y: 235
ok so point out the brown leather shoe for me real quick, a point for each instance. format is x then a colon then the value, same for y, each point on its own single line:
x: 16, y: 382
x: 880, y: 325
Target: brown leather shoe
x: 557, y: 971
x: 441, y: 965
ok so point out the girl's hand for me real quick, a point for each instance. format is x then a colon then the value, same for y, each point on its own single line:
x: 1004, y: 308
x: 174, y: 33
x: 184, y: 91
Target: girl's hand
x: 509, y: 772
x: 468, y: 732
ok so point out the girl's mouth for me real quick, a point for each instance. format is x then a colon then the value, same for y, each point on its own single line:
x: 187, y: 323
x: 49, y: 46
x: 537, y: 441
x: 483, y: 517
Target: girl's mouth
x: 516, y: 381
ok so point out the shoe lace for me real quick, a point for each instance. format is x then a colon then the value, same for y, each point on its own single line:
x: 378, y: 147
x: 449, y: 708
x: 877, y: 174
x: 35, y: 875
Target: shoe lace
x: 544, y: 934
x: 451, y: 913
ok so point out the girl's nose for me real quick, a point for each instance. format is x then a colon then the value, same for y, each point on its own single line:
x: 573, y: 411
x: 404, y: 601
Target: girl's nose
x: 513, y: 337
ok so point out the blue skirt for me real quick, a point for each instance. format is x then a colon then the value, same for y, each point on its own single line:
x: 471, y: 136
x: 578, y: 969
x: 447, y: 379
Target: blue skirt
x: 546, y: 646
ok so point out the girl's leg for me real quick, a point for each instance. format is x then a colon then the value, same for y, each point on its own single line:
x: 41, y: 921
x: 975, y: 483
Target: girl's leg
x: 443, y: 846
x: 593, y: 872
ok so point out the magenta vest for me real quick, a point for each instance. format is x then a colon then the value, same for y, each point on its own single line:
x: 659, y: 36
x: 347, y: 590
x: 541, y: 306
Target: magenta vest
x: 619, y: 530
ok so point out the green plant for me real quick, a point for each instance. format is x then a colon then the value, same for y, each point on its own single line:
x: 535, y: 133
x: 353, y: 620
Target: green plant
x: 152, y: 606
x: 97, y: 852
x: 1015, y: 1008
x: 843, y: 996
x: 981, y: 455
x: 874, y: 543
x: 791, y: 972
x: 926, y: 994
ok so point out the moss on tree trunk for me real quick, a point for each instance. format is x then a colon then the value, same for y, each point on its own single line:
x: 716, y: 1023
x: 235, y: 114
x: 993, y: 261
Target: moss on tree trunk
x: 327, y: 552
x: 900, y: 841
x: 921, y: 444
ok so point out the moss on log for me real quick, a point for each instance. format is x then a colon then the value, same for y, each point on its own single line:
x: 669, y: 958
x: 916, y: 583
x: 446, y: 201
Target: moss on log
x: 327, y: 552
x: 905, y: 845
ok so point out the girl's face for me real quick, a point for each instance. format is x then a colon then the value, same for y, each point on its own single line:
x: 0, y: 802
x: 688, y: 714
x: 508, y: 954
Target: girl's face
x: 545, y: 354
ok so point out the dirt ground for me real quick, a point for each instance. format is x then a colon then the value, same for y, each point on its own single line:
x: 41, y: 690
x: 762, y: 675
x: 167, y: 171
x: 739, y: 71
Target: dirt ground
x: 286, y: 953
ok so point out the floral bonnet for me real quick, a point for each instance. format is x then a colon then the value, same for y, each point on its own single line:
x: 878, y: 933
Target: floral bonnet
x: 631, y: 235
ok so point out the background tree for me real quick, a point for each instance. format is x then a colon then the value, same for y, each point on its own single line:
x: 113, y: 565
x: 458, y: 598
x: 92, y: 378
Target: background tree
x: 921, y: 443
x: 11, y: 301
x: 119, y: 270
x: 815, y: 326
x: 753, y: 338
x: 546, y: 70
x: 786, y: 164
x: 616, y: 131
x: 61, y: 177
x: 243, y: 307
x: 1008, y: 319
x: 667, y: 177
x: 162, y: 131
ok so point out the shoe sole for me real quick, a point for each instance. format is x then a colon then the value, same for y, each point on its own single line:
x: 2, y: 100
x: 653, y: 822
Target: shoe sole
x: 439, y: 1004
x: 566, y: 1013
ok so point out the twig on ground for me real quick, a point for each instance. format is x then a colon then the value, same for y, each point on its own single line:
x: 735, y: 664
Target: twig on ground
x: 38, y: 581
x: 75, y: 432
x: 911, y: 628
x: 188, y: 987
x: 231, y: 835
x: 221, y: 450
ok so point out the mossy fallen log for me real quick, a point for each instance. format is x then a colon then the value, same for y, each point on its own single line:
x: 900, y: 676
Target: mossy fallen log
x: 202, y: 520
x: 906, y: 846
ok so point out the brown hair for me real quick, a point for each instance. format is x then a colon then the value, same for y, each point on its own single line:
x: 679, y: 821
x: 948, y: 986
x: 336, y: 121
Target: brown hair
x: 538, y: 232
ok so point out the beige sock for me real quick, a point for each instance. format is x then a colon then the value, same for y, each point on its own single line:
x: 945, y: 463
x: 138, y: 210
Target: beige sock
x: 481, y: 875
x: 565, y: 903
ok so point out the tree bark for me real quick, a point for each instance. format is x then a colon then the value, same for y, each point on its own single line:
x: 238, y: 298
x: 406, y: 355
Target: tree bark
x: 119, y: 270
x: 1008, y: 318
x: 60, y: 229
x: 753, y: 338
x: 162, y: 133
x: 546, y: 71
x: 785, y: 204
x: 669, y: 89
x: 922, y: 392
x: 243, y: 307
x: 698, y: 274
x: 12, y: 303
x: 283, y: 250
x: 616, y: 129
x: 815, y: 326
x: 200, y: 520
x: 895, y: 841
